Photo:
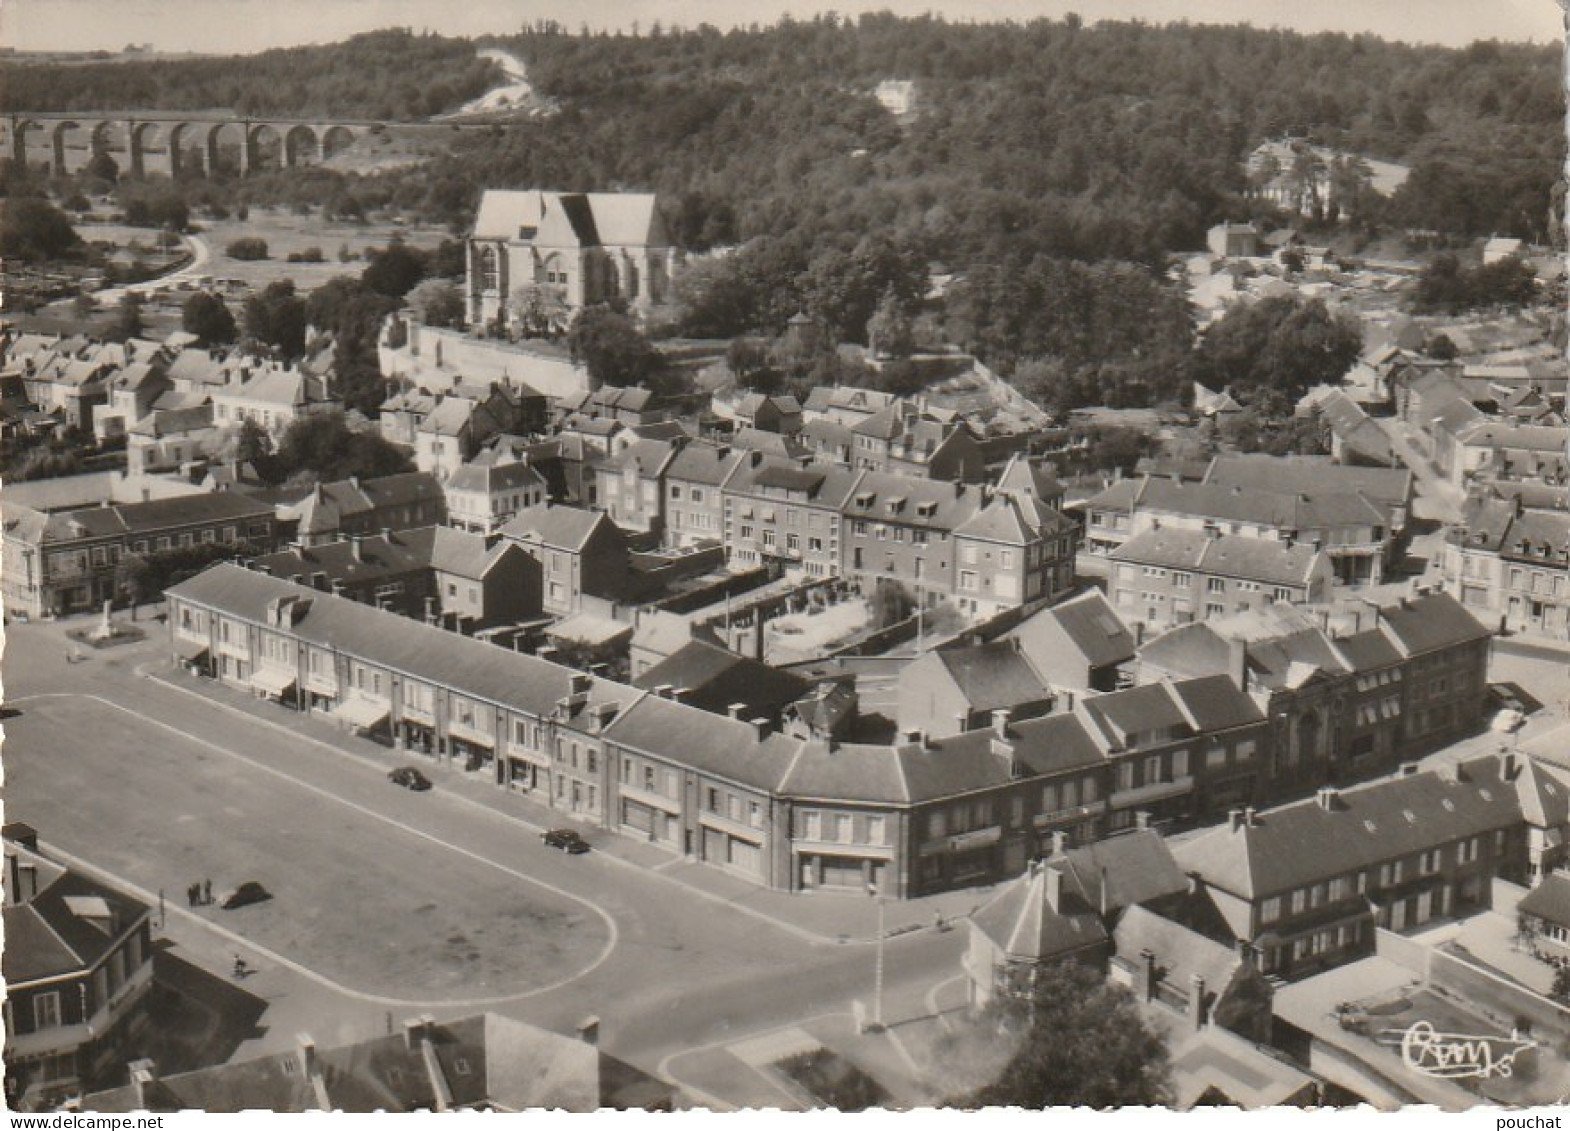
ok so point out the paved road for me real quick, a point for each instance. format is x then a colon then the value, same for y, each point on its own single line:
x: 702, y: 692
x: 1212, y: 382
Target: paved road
x: 200, y: 255
x: 386, y: 894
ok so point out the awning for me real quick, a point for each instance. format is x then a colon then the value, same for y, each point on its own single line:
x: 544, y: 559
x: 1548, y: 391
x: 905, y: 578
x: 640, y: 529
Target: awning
x: 272, y: 681
x: 190, y: 650
x: 362, y: 713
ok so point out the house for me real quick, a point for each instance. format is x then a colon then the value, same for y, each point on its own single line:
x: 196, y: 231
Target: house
x: 273, y: 397
x: 1080, y: 644
x: 1510, y: 566
x: 1354, y: 530
x: 1501, y: 247
x: 1354, y: 436
x: 902, y: 529
x: 694, y: 503
x: 165, y: 440
x: 828, y: 441
x: 1227, y: 240
x: 401, y: 415
x: 1352, y: 690
x: 1203, y: 981
x: 904, y: 440
x: 485, y: 493
x: 1544, y: 916
x: 390, y: 571
x: 78, y: 968
x: 133, y: 390
x: 632, y: 485
x: 581, y: 553
x: 776, y: 511
x: 844, y: 404
x: 457, y: 426
x: 480, y: 581
x: 330, y: 511
x: 1035, y: 922
x: 1306, y: 884
x: 1013, y: 551
x: 1489, y: 449
x: 1213, y: 405
x: 60, y: 562
x: 1390, y: 489
x: 482, y: 1062
x: 588, y: 248
x: 761, y: 411
x: 953, y: 690
x: 1168, y: 577
x: 717, y: 680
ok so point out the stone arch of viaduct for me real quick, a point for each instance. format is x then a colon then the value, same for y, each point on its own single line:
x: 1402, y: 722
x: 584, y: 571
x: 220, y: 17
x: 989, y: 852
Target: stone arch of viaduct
x: 173, y: 144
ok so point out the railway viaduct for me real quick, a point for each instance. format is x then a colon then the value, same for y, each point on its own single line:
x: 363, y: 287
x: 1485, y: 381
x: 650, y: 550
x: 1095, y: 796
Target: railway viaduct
x: 175, y: 142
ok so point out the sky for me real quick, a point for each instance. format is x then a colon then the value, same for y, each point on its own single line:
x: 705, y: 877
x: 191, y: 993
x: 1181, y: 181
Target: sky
x: 233, y: 26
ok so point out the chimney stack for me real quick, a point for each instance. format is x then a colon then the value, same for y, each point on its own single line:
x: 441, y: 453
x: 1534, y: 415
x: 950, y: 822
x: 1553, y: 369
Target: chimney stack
x: 1237, y: 662
x: 1147, y: 974
x: 1000, y: 721
x: 1234, y: 819
x: 735, y: 710
x: 1248, y: 816
x: 1196, y: 1002
x: 961, y: 722
x: 589, y: 1030
x: 1329, y: 798
x: 1059, y: 843
x: 1052, y: 888
x: 144, y: 1073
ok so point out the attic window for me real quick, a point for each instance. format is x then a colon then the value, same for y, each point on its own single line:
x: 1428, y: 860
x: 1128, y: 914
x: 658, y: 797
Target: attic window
x: 460, y: 1066
x: 1450, y: 806
x: 1485, y: 795
x: 1411, y: 817
x: 864, y: 500
x: 927, y: 509
x: 896, y: 504
x: 1370, y: 826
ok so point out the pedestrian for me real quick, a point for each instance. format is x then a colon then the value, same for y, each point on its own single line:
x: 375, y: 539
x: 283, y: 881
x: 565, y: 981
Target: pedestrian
x: 207, y: 891
x: 190, y: 895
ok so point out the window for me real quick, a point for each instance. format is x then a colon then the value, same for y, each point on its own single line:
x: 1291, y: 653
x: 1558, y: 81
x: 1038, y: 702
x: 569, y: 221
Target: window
x: 1215, y: 585
x: 46, y: 1010
x: 814, y: 829
x: 712, y: 799
x: 843, y: 831
x: 1299, y: 900
x: 593, y: 765
x: 937, y: 824
x: 755, y: 814
x: 877, y: 830
x: 1270, y: 910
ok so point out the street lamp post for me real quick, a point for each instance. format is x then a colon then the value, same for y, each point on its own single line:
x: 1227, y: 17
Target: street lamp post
x: 877, y: 977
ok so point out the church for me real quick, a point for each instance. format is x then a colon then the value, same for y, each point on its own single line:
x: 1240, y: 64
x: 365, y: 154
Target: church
x: 579, y: 248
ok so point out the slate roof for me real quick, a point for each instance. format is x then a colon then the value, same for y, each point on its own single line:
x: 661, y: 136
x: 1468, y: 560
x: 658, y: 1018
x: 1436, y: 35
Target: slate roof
x: 174, y: 422
x: 716, y: 677
x: 1549, y: 900
x: 949, y: 506
x: 1135, y: 867
x: 1303, y: 512
x: 492, y: 477
x: 990, y: 676
x: 871, y: 774
x: 1022, y: 922
x: 378, y: 557
x: 613, y: 219
x: 425, y: 652
x: 53, y: 933
x: 1236, y: 556
x: 558, y: 527
x: 1180, y: 953
x: 155, y: 515
x: 702, y: 463
x: 1292, y: 475
x: 1089, y: 623
x: 1437, y: 620
x: 1303, y: 843
x: 709, y: 743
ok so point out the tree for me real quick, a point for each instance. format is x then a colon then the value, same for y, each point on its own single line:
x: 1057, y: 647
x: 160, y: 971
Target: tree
x: 439, y: 302
x: 322, y: 446
x: 394, y: 270
x: 127, y: 318
x: 102, y: 167
x: 132, y: 579
x: 1441, y: 348
x: 247, y: 248
x: 275, y: 319
x: 1086, y: 1044
x: 83, y: 306
x: 540, y: 309
x: 1560, y: 991
x: 613, y: 348
x: 890, y: 330
x: 1273, y: 351
x: 34, y: 230
x: 207, y: 316
x: 251, y: 442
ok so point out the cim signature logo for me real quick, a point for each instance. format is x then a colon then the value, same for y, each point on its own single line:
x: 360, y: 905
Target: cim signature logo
x: 1453, y: 1056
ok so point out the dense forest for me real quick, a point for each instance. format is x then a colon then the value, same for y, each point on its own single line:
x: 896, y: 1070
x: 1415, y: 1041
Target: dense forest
x: 1050, y: 167
x: 389, y: 75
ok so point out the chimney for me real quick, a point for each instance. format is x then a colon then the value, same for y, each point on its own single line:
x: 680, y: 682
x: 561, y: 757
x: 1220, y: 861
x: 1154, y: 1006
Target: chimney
x: 1329, y: 798
x: 311, y: 1069
x: 1196, y: 1002
x: 147, y: 494
x: 1142, y: 819
x: 1409, y: 769
x: 414, y: 1032
x: 1249, y: 818
x: 1147, y: 974
x: 1507, y: 765
x: 1059, y: 843
x: 735, y: 710
x: 761, y: 726
x: 1000, y: 721
x: 1052, y: 888
x: 1237, y: 662
x: 1234, y: 819
x: 589, y: 1030
x: 144, y: 1073
x: 1139, y: 634
x: 581, y: 682
x: 961, y: 722
x: 356, y: 548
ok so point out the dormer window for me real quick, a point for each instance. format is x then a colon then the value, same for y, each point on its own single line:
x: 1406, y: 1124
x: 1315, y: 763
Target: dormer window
x: 864, y: 500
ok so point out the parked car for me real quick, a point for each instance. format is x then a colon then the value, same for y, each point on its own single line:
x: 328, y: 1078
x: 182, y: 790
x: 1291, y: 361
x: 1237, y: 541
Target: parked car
x: 410, y: 778
x: 565, y: 839
x: 243, y: 896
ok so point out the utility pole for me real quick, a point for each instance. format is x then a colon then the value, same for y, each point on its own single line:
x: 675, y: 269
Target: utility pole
x: 877, y: 1025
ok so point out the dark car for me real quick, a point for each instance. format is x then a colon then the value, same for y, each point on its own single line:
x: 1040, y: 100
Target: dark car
x: 409, y: 778
x: 246, y: 894
x: 567, y: 840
